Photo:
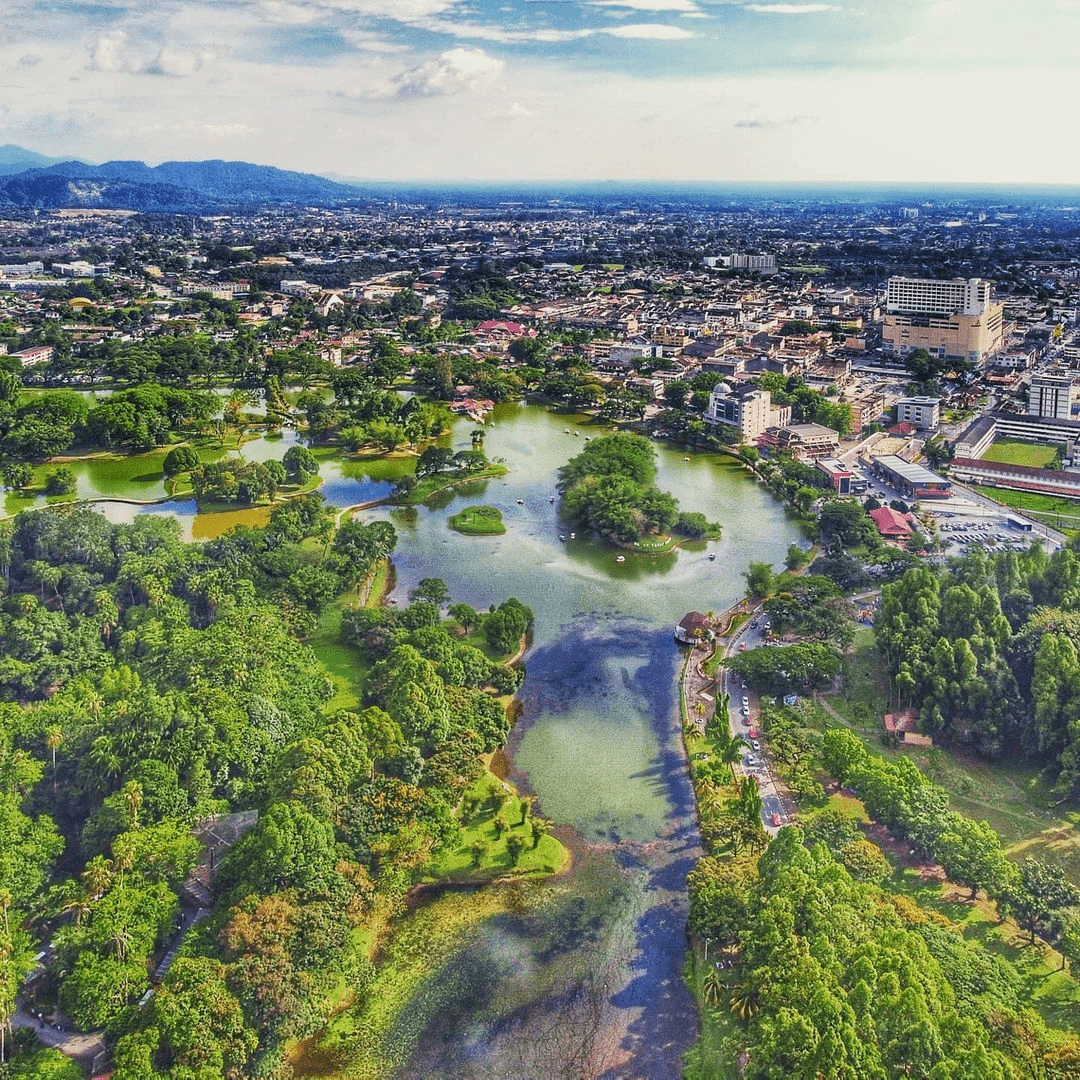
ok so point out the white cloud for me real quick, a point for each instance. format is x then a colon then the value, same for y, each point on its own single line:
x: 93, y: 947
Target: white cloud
x: 179, y: 62
x: 455, y: 71
x: 407, y: 11
x: 791, y: 9
x: 514, y: 111
x: 366, y: 41
x: 651, y: 31
x: 110, y: 53
x: 485, y: 32
x: 650, y: 5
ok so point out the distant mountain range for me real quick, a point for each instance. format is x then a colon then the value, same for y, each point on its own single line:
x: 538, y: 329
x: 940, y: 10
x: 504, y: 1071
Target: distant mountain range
x: 32, y: 180
x: 17, y: 159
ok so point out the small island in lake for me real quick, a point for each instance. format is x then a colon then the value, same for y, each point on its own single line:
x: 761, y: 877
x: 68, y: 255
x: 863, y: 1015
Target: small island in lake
x: 478, y: 521
x: 610, y: 489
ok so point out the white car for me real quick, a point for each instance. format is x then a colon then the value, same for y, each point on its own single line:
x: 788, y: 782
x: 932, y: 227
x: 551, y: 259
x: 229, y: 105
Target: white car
x: 745, y: 702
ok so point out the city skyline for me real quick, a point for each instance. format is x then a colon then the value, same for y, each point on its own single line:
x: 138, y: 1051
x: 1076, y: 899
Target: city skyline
x: 950, y: 91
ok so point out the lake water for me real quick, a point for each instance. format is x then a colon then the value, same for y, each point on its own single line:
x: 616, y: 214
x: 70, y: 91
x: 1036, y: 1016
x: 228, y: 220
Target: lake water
x: 598, y: 740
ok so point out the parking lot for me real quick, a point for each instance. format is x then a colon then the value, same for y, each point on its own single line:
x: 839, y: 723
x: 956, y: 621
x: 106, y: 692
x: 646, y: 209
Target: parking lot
x: 962, y: 535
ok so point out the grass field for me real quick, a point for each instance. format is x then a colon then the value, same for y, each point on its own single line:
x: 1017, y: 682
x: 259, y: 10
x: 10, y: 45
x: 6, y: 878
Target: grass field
x: 493, y: 799
x: 1015, y: 452
x: 344, y: 664
x: 1063, y: 514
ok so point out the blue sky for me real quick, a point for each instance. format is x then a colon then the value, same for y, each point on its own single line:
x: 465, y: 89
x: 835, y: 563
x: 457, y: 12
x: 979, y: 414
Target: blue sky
x: 945, y: 90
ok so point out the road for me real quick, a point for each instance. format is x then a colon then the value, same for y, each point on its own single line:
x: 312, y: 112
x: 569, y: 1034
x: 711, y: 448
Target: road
x: 774, y: 797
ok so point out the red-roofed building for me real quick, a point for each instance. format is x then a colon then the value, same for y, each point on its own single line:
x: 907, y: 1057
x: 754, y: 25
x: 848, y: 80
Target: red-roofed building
x: 502, y: 330
x: 905, y: 726
x: 891, y: 523
x: 904, y: 428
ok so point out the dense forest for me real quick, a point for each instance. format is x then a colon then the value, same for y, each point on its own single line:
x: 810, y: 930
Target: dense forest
x: 836, y: 976
x: 987, y: 652
x: 150, y: 685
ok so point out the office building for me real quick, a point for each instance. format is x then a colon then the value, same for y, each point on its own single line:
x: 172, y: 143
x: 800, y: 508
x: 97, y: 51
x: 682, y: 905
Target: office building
x: 747, y: 409
x: 1051, y: 394
x: 953, y: 320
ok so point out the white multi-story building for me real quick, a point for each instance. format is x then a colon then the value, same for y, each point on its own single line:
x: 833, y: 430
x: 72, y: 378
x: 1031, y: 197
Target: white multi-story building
x: 923, y: 412
x: 925, y: 296
x: 1051, y: 394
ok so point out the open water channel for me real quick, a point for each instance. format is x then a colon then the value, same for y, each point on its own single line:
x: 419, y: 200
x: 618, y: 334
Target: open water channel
x: 584, y: 980
x: 589, y: 983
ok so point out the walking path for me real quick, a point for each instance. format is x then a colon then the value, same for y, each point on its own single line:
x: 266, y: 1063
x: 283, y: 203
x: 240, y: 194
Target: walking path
x: 85, y: 1048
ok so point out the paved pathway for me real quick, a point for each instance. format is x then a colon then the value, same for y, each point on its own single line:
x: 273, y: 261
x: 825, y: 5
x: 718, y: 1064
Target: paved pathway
x: 85, y: 1048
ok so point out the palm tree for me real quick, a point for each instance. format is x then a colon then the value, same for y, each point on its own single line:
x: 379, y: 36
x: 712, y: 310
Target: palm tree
x: 711, y: 986
x: 97, y: 876
x: 731, y: 753
x: 744, y: 1001
x: 123, y: 858
x: 133, y: 798
x: 54, y: 737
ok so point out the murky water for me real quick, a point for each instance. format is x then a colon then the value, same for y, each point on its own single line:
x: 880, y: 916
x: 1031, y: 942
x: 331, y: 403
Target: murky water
x: 599, y: 743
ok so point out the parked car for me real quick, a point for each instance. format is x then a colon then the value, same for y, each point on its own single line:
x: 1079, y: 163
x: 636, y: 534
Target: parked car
x: 774, y: 820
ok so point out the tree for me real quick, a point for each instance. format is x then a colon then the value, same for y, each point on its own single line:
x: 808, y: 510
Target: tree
x: 506, y: 625
x: 759, y: 579
x: 515, y: 846
x: 300, y: 464
x: 180, y: 459
x: 433, y: 590
x: 465, y: 614
x: 60, y: 481
x: 17, y: 475
x: 865, y: 861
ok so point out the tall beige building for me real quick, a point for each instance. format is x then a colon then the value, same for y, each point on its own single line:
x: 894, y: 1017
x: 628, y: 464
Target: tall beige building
x: 954, y: 320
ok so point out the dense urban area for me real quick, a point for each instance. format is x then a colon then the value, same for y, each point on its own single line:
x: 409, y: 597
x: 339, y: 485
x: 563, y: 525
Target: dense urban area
x: 254, y: 795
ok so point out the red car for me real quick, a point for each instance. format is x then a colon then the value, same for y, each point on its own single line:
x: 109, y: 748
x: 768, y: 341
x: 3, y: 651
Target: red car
x: 774, y: 820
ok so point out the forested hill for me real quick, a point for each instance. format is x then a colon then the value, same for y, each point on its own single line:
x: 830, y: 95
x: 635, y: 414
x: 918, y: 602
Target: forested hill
x: 188, y: 186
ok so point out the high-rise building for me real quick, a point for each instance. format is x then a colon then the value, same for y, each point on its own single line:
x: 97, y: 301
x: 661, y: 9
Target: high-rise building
x: 746, y: 409
x: 954, y: 320
x: 1051, y: 395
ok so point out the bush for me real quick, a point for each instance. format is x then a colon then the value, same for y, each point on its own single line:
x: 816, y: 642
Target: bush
x: 61, y: 481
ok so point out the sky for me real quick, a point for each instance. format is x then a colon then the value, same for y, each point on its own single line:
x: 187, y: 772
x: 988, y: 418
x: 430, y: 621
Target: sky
x: 980, y: 91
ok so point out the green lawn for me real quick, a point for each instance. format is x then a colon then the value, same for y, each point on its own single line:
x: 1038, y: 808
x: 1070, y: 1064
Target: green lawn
x: 1016, y: 452
x: 478, y: 521
x: 343, y: 663
x: 865, y: 696
x: 493, y: 799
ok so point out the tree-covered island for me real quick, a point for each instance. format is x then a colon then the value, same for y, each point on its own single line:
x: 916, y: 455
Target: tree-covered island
x: 610, y: 489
